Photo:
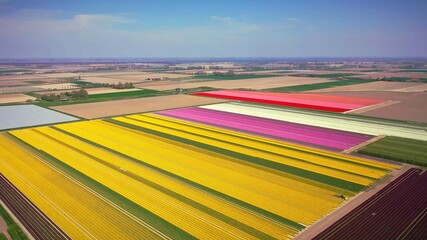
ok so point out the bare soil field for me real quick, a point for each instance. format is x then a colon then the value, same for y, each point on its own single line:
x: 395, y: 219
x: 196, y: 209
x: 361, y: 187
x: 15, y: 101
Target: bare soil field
x: 18, y: 89
x: 258, y: 83
x: 11, y: 98
x: 144, y: 76
x: 379, y: 86
x: 134, y: 78
x: 11, y: 83
x: 58, y: 86
x: 138, y: 105
x: 410, y: 106
x: 108, y: 90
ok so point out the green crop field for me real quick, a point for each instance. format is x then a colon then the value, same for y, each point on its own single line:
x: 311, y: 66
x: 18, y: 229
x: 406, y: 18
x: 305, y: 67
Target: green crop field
x: 416, y: 70
x: 13, y: 71
x: 399, y: 149
x: 315, y: 86
x: 231, y: 77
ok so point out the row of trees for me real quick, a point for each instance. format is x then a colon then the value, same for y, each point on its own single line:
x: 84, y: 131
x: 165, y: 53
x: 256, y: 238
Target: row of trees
x: 66, y: 96
x: 120, y: 85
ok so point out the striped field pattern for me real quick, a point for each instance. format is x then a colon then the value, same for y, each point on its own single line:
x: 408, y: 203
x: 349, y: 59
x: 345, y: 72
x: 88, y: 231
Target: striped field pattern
x: 152, y: 176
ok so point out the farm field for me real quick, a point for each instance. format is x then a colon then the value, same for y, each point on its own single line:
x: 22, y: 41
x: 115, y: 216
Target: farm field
x: 399, y: 149
x: 378, y: 86
x: 108, y: 90
x: 230, y: 77
x: 256, y: 83
x: 133, y: 77
x: 342, y: 122
x: 29, y: 115
x: 408, y: 106
x: 128, y: 106
x: 12, y: 98
x: 58, y: 86
x: 60, y: 197
x: 256, y: 190
x: 313, y: 87
x: 302, y: 134
x: 380, y: 218
x: 330, y: 103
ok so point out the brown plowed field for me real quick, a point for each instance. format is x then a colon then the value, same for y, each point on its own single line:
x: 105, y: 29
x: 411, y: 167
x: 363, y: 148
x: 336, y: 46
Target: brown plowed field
x: 138, y: 105
x: 11, y: 98
x: 411, y: 106
x: 256, y: 83
x: 379, y: 86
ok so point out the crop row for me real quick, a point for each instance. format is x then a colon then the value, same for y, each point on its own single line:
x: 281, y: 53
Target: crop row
x: 74, y: 208
x: 398, y: 211
x: 326, y: 120
x: 332, y: 103
x: 272, y: 128
x: 178, y: 179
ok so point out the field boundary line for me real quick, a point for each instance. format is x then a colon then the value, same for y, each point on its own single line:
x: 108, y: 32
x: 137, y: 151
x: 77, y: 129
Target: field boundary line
x: 359, y: 146
x: 24, y: 229
x: 371, y: 107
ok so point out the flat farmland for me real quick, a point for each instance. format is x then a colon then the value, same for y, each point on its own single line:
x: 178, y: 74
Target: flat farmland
x: 128, y: 106
x: 379, y: 75
x: 327, y: 120
x: 398, y: 211
x: 331, y: 103
x: 398, y: 149
x: 197, y: 181
x: 29, y: 115
x: 379, y: 86
x: 257, y: 83
x: 11, y: 98
x: 134, y: 77
x: 108, y: 90
x: 58, y: 86
x: 299, y: 133
x: 409, y: 106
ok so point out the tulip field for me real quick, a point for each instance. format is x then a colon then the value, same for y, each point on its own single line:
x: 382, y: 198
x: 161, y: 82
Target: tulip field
x: 287, y: 131
x: 323, y: 102
x: 176, y: 175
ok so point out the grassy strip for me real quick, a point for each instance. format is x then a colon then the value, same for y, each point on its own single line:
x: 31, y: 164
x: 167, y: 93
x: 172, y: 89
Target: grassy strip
x: 255, y: 160
x: 14, y: 230
x: 399, y: 149
x: 3, y: 237
x: 415, y: 70
x: 106, y: 97
x: 189, y: 182
x: 231, y: 77
x: 121, y: 201
x: 315, y: 86
x: 142, y: 92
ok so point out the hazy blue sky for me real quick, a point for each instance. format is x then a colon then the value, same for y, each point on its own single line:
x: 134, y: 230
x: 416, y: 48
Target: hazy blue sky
x: 220, y: 28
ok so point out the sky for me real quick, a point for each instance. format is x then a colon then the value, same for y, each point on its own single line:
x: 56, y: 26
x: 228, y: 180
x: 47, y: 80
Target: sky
x: 205, y: 28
